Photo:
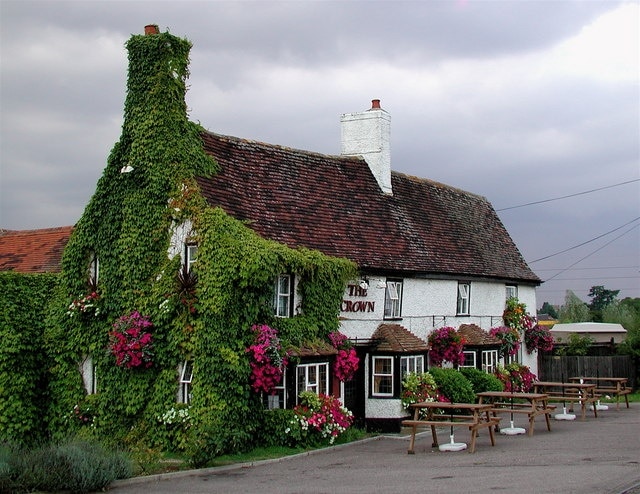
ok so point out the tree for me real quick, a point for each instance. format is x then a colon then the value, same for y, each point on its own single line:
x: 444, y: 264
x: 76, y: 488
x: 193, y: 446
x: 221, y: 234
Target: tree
x: 600, y: 299
x: 548, y: 309
x: 574, y: 309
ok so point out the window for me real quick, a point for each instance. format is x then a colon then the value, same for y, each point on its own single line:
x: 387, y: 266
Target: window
x: 464, y: 290
x: 186, y: 376
x: 382, y: 376
x: 313, y: 377
x: 282, y: 296
x: 469, y: 359
x: 511, y: 291
x: 413, y: 364
x: 393, y: 299
x: 279, y: 399
x: 489, y: 360
x: 191, y: 255
x: 94, y: 269
x: 89, y: 379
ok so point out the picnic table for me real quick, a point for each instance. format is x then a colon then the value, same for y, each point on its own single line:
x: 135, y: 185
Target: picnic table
x: 616, y: 386
x: 570, y: 392
x: 531, y: 404
x: 439, y: 414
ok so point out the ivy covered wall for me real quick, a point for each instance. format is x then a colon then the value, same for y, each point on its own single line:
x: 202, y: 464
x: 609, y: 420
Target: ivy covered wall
x: 24, y: 300
x: 147, y: 192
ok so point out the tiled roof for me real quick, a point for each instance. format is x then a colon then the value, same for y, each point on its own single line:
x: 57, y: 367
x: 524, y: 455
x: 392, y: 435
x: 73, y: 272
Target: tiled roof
x: 33, y: 251
x: 476, y: 336
x: 315, y: 349
x: 397, y: 338
x: 333, y: 204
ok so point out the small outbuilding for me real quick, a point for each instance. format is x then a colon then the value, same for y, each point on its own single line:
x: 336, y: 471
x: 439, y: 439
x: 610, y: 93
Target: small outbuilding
x: 601, y: 332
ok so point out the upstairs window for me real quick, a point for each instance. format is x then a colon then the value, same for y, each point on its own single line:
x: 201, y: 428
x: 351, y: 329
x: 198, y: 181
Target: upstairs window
x: 393, y: 299
x: 283, y: 296
x: 191, y: 255
x: 511, y: 291
x: 464, y: 293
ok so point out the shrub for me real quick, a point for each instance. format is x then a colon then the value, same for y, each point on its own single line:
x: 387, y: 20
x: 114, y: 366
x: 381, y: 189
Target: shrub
x: 417, y: 388
x: 453, y: 385
x: 276, y: 429
x: 75, y: 466
x: 482, y: 381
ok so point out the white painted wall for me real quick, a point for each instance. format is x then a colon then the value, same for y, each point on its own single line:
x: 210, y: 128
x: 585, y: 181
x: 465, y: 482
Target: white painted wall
x: 426, y: 304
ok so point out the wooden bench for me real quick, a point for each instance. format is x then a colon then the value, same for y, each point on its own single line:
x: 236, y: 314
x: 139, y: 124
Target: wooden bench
x: 608, y: 386
x: 478, y: 418
x: 582, y: 393
x: 531, y: 404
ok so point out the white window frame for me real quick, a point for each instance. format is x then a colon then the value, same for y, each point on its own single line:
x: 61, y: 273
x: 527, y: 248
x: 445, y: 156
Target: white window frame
x: 463, y: 303
x: 411, y: 364
x: 190, y: 255
x: 489, y: 360
x: 305, y: 380
x: 94, y: 269
x: 393, y: 299
x: 279, y: 399
x: 378, y: 377
x: 470, y: 353
x: 89, y: 375
x: 283, y: 296
x: 186, y: 377
x: 511, y: 291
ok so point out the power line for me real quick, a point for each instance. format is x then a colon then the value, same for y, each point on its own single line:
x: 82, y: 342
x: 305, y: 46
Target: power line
x: 590, y: 254
x: 570, y: 195
x: 589, y: 269
x: 586, y: 242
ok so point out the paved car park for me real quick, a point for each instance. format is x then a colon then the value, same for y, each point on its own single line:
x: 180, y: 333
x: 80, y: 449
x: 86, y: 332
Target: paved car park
x: 595, y: 455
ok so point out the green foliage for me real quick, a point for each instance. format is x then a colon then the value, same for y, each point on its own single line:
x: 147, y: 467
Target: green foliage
x: 23, y: 308
x: 574, y: 309
x: 453, y: 385
x: 577, y: 344
x: 73, y: 465
x: 548, y: 309
x: 276, y: 429
x: 601, y: 298
x: 481, y: 381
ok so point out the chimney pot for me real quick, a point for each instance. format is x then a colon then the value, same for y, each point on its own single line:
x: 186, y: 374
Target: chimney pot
x: 375, y: 104
x: 151, y: 29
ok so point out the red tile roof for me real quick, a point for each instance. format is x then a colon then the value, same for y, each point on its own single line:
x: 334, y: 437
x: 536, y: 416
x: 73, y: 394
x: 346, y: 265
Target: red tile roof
x: 475, y: 336
x: 333, y: 204
x: 33, y: 251
x: 397, y: 338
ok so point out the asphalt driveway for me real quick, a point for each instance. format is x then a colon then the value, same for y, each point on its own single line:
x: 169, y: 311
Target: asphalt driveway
x: 596, y: 455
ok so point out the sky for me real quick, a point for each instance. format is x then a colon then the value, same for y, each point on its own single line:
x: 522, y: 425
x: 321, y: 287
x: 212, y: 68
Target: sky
x: 533, y: 104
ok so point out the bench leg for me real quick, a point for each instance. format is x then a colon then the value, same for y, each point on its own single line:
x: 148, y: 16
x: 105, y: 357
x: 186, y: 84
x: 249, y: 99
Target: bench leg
x: 546, y: 416
x: 492, y: 435
x: 434, y: 436
x: 474, y: 434
x: 532, y: 424
x: 413, y: 440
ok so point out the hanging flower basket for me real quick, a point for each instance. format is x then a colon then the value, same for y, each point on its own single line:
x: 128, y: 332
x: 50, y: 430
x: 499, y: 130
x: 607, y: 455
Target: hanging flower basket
x: 509, y: 339
x: 267, y: 360
x: 130, y: 341
x: 446, y: 346
x: 347, y: 361
x: 538, y: 338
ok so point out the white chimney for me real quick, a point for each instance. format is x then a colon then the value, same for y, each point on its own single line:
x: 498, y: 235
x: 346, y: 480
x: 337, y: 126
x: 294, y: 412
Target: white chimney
x: 368, y: 134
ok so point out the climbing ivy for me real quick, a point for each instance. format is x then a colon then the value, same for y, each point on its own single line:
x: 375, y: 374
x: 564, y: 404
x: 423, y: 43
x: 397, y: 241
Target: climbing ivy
x: 23, y: 307
x: 147, y: 192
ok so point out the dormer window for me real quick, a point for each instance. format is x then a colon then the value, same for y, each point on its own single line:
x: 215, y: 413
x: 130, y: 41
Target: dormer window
x: 283, y: 296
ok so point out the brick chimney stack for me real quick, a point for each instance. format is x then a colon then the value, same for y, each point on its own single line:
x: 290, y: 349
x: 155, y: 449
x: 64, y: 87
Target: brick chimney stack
x: 368, y: 134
